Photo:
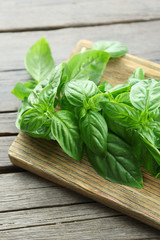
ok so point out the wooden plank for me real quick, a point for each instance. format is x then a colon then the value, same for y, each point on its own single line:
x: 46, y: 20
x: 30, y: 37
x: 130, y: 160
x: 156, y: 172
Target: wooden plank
x: 22, y: 41
x: 117, y: 228
x: 30, y: 201
x: 7, y: 82
x: 7, y: 124
x: 54, y: 215
x: 14, y: 45
x: 48, y: 160
x: 60, y: 14
x: 5, y: 143
x: 5, y: 163
x: 22, y: 191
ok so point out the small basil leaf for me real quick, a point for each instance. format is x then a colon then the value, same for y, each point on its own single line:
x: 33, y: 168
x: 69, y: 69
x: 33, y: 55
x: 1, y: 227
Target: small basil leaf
x: 81, y: 112
x: 65, y: 130
x: 88, y: 65
x: 104, y: 86
x: 32, y: 120
x: 38, y: 60
x: 127, y: 115
x: 145, y: 95
x: 120, y: 88
x: 115, y: 49
x: 30, y: 84
x: 77, y: 92
x: 94, y: 102
x: 124, y: 98
x: 137, y: 75
x: 118, y: 165
x: 22, y: 90
x: 94, y: 132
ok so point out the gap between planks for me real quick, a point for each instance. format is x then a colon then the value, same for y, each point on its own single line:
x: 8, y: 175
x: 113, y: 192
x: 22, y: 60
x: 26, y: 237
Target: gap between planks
x: 48, y: 28
x: 98, y: 227
x: 62, y: 222
x: 90, y: 201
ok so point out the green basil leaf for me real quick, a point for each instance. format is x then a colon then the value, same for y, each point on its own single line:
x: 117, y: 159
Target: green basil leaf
x: 145, y: 95
x: 137, y: 75
x: 45, y: 92
x: 65, y: 104
x: 77, y: 92
x: 65, y: 130
x: 43, y: 131
x: 22, y: 90
x: 94, y: 102
x: 94, y: 132
x: 25, y: 106
x: 104, y: 86
x: 30, y: 84
x: 38, y: 60
x: 118, y: 165
x: 146, y: 153
x: 115, y: 49
x: 151, y: 131
x: 88, y: 65
x: 127, y: 115
x: 151, y: 161
x: 124, y: 98
x: 120, y: 88
x: 156, y: 115
x: 32, y: 120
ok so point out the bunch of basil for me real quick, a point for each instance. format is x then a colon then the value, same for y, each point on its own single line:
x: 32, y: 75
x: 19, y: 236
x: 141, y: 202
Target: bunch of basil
x: 117, y: 127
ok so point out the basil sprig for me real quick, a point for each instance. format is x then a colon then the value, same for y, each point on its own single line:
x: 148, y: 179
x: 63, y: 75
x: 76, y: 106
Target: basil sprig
x: 117, y: 127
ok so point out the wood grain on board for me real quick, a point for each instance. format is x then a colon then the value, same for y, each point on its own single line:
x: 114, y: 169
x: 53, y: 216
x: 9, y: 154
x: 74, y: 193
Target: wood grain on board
x: 19, y: 15
x: 47, y: 159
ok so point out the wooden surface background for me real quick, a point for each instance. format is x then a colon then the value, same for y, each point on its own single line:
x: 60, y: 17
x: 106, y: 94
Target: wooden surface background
x: 30, y: 207
x: 49, y: 161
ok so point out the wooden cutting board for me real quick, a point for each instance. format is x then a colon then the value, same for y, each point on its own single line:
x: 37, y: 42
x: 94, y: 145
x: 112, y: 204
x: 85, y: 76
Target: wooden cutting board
x: 47, y: 159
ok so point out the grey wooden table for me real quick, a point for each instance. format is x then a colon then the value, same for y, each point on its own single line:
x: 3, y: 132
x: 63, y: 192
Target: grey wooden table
x: 31, y: 207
